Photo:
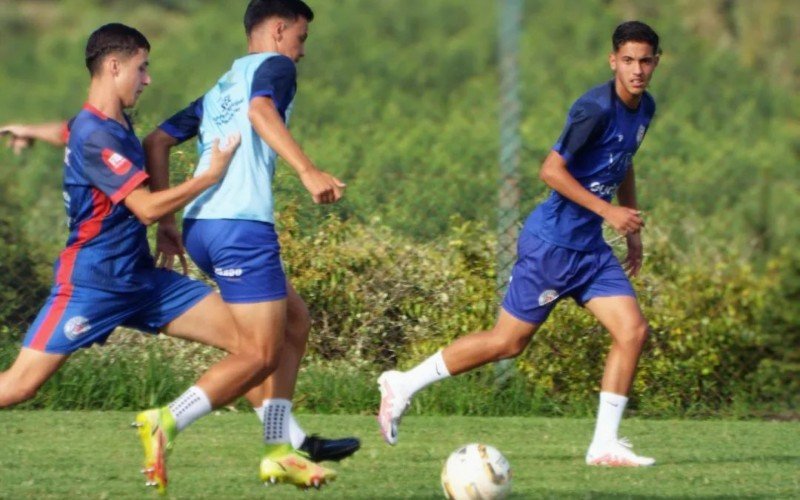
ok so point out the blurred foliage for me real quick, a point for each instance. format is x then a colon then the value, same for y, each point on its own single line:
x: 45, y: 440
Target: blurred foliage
x: 399, y: 100
x: 24, y: 276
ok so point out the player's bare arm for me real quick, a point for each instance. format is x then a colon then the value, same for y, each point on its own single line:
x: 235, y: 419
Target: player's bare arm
x: 627, y: 198
x: 554, y: 173
x: 157, y: 146
x: 264, y: 116
x: 149, y: 207
x: 23, y: 136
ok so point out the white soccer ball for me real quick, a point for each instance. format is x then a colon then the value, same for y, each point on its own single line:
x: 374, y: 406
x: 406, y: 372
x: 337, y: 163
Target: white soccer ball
x: 476, y: 471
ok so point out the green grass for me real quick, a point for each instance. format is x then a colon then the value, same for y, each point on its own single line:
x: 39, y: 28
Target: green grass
x: 49, y: 454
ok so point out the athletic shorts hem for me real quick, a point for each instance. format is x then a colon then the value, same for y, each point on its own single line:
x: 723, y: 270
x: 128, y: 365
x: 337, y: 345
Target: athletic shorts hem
x: 255, y: 300
x: 189, y: 305
x: 522, y: 317
x: 618, y: 293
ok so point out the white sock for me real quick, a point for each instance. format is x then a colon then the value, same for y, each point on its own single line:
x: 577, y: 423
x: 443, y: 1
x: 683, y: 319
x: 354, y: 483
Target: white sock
x: 276, y: 420
x: 609, y: 414
x: 259, y: 412
x: 424, y: 374
x: 296, y: 433
x: 189, y: 406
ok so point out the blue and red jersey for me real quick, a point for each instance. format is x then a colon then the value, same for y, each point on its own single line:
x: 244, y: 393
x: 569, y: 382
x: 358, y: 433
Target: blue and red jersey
x: 598, y: 143
x: 107, y: 245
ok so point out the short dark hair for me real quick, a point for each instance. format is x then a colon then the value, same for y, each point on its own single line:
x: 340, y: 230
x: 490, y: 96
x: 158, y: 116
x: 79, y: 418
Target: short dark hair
x: 259, y: 10
x: 110, y: 38
x: 635, y: 31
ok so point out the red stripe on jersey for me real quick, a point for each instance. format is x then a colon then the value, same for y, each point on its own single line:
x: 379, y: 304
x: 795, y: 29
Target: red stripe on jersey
x: 135, y: 181
x: 65, y: 132
x: 115, y: 161
x: 90, y: 228
x: 91, y: 109
x: 53, y: 318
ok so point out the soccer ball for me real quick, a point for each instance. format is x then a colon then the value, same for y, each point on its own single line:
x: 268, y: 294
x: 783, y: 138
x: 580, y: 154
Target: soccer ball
x: 476, y: 471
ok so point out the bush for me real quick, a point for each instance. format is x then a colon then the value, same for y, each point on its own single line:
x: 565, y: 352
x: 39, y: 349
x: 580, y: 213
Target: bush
x: 23, y: 276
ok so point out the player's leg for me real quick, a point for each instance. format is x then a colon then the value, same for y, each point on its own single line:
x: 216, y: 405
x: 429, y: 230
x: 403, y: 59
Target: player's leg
x: 27, y: 374
x: 623, y: 318
x: 528, y: 301
x: 187, y: 309
x: 71, y: 318
x: 265, y: 324
x: 507, y: 339
x: 211, y: 322
x: 283, y: 381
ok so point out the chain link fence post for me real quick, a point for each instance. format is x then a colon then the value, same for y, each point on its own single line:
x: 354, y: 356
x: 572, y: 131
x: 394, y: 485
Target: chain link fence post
x: 509, y: 22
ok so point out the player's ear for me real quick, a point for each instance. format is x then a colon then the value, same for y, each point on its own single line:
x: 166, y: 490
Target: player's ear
x: 277, y: 28
x: 112, y: 65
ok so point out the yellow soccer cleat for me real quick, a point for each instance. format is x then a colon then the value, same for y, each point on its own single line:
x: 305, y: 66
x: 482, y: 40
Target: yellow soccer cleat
x: 284, y: 464
x: 157, y: 432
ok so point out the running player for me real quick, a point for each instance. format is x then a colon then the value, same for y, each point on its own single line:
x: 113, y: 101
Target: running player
x: 106, y: 276
x: 255, y: 99
x: 561, y: 251
x: 276, y: 75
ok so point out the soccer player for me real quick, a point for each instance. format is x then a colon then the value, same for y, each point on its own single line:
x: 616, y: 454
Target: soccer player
x: 561, y: 251
x: 106, y: 276
x: 276, y: 75
x: 255, y: 99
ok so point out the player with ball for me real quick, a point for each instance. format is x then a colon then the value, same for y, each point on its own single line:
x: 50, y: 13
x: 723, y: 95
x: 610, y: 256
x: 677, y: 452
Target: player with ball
x: 561, y: 251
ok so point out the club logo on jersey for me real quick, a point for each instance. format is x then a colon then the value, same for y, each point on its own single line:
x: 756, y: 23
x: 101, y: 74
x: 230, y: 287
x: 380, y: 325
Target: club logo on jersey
x: 228, y: 109
x: 547, y: 296
x: 640, y: 134
x: 228, y: 273
x: 116, y: 162
x: 77, y: 326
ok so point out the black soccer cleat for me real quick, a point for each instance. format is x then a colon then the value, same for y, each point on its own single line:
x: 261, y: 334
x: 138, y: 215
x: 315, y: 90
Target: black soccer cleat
x: 319, y: 448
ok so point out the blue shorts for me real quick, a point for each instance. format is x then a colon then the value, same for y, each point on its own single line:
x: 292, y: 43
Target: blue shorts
x: 544, y: 273
x: 77, y: 316
x: 243, y: 257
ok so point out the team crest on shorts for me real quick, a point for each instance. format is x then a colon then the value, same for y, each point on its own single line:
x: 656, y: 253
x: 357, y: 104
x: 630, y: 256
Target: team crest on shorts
x: 547, y: 296
x: 76, y: 327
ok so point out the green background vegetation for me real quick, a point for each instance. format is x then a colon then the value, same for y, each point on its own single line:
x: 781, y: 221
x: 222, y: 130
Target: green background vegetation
x: 400, y: 100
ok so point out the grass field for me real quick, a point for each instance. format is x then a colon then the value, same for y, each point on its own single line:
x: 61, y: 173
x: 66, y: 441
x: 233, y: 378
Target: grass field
x: 46, y: 454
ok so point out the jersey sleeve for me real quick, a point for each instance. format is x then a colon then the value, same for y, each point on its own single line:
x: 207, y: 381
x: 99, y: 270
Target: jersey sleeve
x: 65, y: 126
x: 276, y: 78
x: 586, y: 120
x: 108, y: 169
x: 184, y: 124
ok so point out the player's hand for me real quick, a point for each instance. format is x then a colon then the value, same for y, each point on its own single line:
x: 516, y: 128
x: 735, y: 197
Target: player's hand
x: 169, y: 246
x: 633, y: 261
x: 18, y: 138
x: 624, y: 220
x: 221, y: 155
x: 324, y: 187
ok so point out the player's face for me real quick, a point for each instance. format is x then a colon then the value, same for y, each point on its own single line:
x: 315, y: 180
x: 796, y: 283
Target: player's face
x: 633, y: 65
x: 132, y: 77
x: 292, y: 39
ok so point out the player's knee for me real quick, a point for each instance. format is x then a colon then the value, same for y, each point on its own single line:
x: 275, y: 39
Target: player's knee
x: 267, y: 359
x: 636, y: 334
x: 510, y: 345
x: 298, y: 330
